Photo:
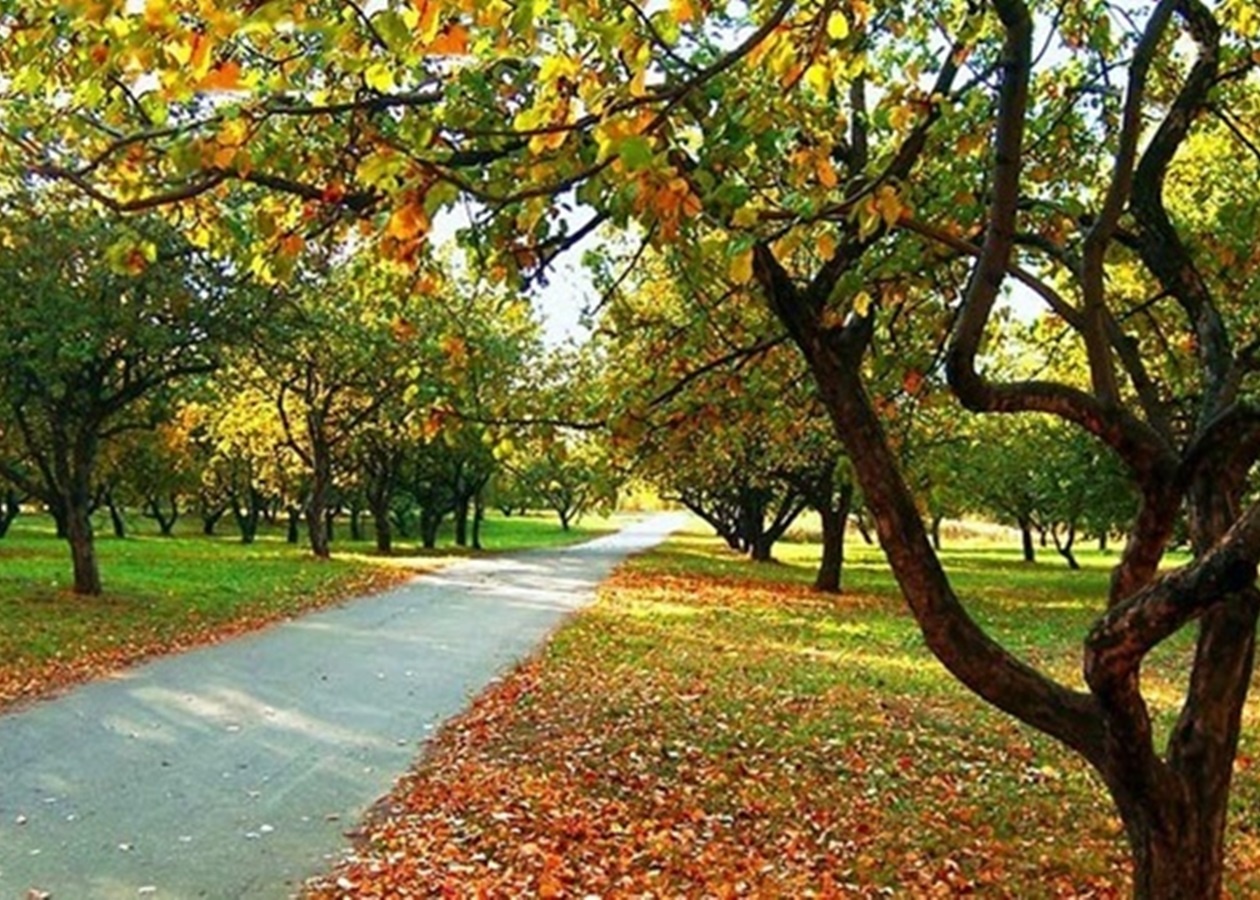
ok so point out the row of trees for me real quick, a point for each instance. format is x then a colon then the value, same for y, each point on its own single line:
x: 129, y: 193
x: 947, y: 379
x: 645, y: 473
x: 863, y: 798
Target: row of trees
x: 873, y: 174
x: 146, y: 373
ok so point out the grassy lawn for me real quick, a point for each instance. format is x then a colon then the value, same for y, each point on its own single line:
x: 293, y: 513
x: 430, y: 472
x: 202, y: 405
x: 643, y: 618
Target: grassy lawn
x: 164, y: 594
x: 714, y: 729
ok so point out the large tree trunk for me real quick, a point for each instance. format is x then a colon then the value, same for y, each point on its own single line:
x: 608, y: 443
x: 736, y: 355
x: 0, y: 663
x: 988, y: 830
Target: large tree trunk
x: 1175, y: 811
x: 356, y: 521
x: 834, y: 519
x: 74, y: 470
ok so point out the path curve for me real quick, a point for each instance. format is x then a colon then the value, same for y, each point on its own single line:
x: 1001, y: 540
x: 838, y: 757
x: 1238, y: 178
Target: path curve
x: 234, y: 770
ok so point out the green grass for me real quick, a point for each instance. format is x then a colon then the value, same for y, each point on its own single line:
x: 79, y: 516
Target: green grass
x: 163, y: 593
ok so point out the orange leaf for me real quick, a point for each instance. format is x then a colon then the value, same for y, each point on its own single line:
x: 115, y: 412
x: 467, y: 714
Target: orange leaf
x: 453, y: 41
x: 225, y: 76
x: 407, y: 223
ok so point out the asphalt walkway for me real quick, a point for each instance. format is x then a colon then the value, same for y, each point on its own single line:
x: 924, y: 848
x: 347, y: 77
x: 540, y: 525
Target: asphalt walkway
x: 234, y: 770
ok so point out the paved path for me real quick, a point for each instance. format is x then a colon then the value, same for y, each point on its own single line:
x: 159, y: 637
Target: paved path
x: 233, y: 771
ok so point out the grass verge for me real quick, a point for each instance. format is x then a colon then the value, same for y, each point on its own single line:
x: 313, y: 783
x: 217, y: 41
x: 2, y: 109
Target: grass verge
x: 713, y: 729
x: 168, y: 594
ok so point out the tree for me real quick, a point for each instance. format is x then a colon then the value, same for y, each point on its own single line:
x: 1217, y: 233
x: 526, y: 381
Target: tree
x: 732, y: 431
x: 135, y: 310
x: 837, y: 151
x: 566, y: 471
x: 334, y: 355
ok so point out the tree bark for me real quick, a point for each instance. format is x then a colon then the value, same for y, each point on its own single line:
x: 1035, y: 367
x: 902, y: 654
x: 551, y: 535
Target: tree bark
x: 87, y: 576
x: 430, y: 523
x: 479, y: 515
x: 57, y: 509
x: 461, y: 522
x: 864, y: 529
x: 247, y: 516
x: 166, y: 523
x: 834, y: 519
x: 936, y: 531
x: 116, y: 520
x: 1026, y: 535
x: 210, y: 518
x: 1064, y: 546
x: 382, y: 527
x: 293, y: 531
x: 9, y: 509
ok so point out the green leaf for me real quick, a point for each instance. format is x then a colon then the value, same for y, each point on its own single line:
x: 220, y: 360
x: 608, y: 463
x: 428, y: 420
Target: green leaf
x: 635, y: 152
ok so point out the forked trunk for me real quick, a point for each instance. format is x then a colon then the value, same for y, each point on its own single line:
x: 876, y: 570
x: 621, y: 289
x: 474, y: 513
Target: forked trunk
x: 1064, y: 546
x: 429, y: 525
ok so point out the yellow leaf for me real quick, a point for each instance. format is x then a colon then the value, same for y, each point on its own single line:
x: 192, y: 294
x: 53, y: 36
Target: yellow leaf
x: 862, y: 303
x: 826, y: 246
x: 551, y: 140
x: 837, y: 26
x: 555, y: 67
x: 745, y: 217
x: 741, y: 268
x: 379, y: 78
x: 900, y: 117
x: 818, y: 77
x: 180, y: 52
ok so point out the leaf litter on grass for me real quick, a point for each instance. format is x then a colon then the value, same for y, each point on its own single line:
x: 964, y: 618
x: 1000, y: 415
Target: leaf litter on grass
x: 137, y: 637
x: 702, y: 736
